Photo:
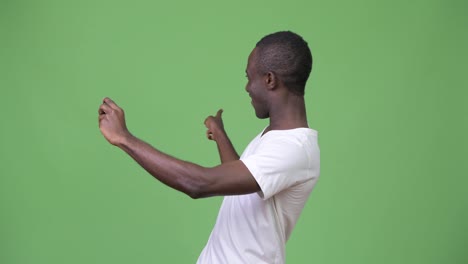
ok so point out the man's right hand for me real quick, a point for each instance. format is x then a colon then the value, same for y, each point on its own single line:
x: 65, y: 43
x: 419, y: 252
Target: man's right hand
x: 214, y: 125
x: 112, y: 122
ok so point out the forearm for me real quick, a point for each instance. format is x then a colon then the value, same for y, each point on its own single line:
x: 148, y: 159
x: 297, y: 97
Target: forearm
x: 225, y: 148
x: 183, y: 176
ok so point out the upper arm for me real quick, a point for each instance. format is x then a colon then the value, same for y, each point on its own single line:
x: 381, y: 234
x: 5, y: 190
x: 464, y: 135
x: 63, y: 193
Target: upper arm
x: 277, y: 164
x: 230, y: 178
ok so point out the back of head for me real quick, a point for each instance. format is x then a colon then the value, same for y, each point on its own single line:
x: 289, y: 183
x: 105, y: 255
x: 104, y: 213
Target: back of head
x: 287, y: 55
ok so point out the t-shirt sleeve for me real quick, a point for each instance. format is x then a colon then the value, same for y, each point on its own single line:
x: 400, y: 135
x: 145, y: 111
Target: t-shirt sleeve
x: 277, y: 164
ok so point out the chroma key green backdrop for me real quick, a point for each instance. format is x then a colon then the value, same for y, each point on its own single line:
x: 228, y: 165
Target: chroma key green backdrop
x: 387, y: 95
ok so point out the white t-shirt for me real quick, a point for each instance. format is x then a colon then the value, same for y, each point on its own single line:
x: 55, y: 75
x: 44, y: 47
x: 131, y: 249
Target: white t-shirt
x: 254, y: 228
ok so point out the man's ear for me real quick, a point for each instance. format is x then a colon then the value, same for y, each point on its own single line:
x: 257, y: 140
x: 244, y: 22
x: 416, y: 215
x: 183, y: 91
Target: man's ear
x: 271, y: 80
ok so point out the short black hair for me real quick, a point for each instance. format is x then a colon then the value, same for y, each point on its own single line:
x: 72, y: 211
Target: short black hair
x: 288, y: 56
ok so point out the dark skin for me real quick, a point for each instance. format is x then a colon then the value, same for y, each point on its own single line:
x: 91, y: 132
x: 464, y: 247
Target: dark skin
x: 215, y: 131
x: 270, y: 99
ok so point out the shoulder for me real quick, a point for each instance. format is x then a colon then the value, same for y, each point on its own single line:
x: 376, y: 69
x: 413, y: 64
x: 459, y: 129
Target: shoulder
x: 282, y: 158
x: 298, y: 138
x: 293, y: 146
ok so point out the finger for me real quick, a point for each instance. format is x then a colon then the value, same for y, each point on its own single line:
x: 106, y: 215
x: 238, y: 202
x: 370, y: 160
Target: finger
x: 219, y: 113
x: 101, y: 117
x: 104, y: 109
x: 110, y: 103
x: 209, y: 135
x: 207, y: 120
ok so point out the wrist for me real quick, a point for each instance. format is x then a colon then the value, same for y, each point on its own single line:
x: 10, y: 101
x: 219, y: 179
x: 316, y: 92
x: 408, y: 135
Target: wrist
x: 219, y: 134
x: 125, y: 140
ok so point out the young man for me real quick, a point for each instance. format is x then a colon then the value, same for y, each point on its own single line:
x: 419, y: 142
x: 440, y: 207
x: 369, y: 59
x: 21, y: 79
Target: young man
x: 266, y: 188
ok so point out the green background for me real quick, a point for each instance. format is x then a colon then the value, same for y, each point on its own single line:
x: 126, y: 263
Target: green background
x: 387, y: 95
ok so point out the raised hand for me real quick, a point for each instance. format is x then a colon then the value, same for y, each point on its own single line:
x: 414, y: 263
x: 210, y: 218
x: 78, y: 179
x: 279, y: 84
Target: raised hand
x: 112, y: 122
x: 214, y: 125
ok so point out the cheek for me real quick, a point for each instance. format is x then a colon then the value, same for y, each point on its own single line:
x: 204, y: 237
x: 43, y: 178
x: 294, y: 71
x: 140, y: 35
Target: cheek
x: 253, y: 89
x: 256, y: 93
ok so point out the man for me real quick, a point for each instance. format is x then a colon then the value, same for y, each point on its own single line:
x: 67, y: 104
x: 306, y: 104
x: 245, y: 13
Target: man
x: 266, y: 188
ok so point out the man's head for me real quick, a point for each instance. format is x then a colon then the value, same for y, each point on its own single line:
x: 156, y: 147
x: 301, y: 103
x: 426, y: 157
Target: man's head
x: 282, y: 59
x: 287, y: 55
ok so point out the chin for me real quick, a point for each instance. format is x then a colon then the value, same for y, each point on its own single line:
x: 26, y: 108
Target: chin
x: 262, y: 115
x: 260, y: 112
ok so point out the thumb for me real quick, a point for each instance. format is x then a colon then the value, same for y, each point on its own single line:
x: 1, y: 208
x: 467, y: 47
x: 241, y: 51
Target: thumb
x: 219, y: 113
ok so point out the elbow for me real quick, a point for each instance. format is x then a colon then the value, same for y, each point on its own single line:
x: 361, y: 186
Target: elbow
x: 196, y: 192
x: 193, y: 192
x: 199, y: 190
x: 199, y: 185
x: 194, y: 195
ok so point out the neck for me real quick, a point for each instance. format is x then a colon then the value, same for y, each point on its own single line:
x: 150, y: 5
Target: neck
x: 288, y: 112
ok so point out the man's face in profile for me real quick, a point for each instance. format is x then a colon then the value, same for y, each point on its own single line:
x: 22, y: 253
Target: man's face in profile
x: 256, y: 86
